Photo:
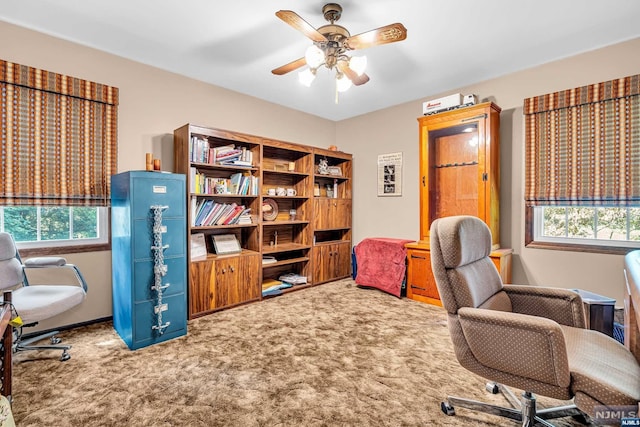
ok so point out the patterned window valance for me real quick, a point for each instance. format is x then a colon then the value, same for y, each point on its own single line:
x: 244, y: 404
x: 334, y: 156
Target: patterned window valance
x: 583, y: 145
x: 58, y: 138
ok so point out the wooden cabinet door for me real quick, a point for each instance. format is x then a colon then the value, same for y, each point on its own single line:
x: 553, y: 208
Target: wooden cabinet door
x: 248, y: 277
x: 331, y: 262
x: 420, y: 280
x: 342, y: 259
x: 332, y: 213
x: 237, y: 280
x: 202, y: 286
x: 321, y: 263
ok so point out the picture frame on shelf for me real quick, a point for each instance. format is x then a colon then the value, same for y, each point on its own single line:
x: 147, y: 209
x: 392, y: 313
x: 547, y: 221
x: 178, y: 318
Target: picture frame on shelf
x: 198, y: 247
x: 226, y: 244
x: 334, y: 170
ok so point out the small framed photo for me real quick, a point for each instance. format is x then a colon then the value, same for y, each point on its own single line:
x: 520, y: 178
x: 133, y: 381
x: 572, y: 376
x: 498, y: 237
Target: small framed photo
x: 335, y: 170
x: 226, y: 244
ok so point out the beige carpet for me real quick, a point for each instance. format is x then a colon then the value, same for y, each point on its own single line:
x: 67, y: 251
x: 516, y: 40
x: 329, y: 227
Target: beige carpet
x: 332, y: 355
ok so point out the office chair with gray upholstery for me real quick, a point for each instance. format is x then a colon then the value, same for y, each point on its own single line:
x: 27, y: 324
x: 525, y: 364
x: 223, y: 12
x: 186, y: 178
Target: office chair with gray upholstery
x: 34, y: 303
x: 528, y: 337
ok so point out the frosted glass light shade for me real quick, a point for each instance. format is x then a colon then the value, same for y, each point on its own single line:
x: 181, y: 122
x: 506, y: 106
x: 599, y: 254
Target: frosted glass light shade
x: 358, y: 64
x: 306, y: 77
x: 342, y: 83
x: 314, y: 56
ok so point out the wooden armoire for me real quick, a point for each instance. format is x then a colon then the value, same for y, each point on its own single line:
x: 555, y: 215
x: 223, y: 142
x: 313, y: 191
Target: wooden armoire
x: 459, y: 175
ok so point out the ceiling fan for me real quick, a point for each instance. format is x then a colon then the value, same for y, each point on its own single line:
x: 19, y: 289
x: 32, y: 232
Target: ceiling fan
x: 330, y: 46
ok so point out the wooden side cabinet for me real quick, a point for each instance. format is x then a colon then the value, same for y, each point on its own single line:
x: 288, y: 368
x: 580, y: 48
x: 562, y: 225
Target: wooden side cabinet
x: 223, y: 282
x: 331, y: 261
x: 421, y: 285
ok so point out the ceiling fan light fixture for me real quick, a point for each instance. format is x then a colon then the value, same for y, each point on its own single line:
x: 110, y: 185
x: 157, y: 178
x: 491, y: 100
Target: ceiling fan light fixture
x: 314, y: 56
x: 306, y: 77
x: 342, y: 83
x: 358, y: 64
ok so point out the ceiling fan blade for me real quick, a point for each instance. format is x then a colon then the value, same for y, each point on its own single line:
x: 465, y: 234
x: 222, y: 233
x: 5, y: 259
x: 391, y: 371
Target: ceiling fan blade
x: 293, y: 19
x: 352, y: 75
x: 388, y: 34
x: 293, y: 65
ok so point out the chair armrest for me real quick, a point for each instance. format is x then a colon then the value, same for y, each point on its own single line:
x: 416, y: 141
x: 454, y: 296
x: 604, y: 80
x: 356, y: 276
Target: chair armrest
x: 45, y: 261
x: 563, y: 306
x: 55, y: 262
x: 527, y: 347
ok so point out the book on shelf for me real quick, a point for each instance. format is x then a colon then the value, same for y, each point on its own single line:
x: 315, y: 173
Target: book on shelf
x: 268, y: 259
x: 293, y: 278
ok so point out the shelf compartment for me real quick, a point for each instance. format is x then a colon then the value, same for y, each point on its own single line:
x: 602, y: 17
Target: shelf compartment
x: 284, y: 247
x: 212, y: 256
x: 284, y: 222
x: 282, y: 234
x: 219, y: 227
x: 217, y: 166
x: 332, y: 236
x: 285, y: 262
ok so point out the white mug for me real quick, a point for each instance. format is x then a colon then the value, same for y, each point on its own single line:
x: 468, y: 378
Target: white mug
x: 271, y: 192
x: 281, y: 191
x: 291, y: 192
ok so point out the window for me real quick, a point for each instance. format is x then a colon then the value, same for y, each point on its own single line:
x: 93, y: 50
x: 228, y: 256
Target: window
x: 58, y: 145
x: 610, y: 226
x: 582, y: 167
x: 56, y: 226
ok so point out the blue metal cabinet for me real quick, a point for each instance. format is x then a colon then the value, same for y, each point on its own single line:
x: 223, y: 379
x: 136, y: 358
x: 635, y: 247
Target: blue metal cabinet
x: 149, y: 257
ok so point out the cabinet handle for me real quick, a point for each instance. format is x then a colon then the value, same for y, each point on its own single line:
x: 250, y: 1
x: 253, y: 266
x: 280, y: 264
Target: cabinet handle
x: 232, y: 269
x: 418, y: 287
x: 418, y: 257
x: 224, y: 270
x: 424, y: 181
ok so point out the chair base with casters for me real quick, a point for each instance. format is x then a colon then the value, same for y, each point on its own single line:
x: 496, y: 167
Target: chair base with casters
x: 524, y: 410
x: 24, y: 344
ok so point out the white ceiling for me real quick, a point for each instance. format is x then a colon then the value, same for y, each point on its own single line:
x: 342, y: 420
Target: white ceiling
x: 235, y: 44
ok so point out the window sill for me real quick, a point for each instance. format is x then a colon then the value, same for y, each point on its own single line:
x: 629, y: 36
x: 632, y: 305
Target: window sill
x: 611, y: 250
x: 27, y: 253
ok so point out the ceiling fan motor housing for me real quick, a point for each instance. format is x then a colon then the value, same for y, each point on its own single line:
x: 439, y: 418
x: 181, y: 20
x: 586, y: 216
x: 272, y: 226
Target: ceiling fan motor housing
x: 332, y: 12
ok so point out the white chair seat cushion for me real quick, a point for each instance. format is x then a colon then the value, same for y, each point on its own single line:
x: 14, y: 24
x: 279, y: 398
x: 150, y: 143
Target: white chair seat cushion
x: 36, y: 303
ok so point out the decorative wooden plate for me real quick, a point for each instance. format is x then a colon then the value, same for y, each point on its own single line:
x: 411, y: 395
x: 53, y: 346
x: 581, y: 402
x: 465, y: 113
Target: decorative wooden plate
x: 269, y: 209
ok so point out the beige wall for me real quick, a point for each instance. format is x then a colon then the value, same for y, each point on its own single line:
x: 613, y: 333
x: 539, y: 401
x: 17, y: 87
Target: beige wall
x: 154, y: 102
x: 396, y: 129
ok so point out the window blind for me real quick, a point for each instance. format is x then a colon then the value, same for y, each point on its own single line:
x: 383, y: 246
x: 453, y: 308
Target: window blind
x: 58, y: 138
x: 582, y: 145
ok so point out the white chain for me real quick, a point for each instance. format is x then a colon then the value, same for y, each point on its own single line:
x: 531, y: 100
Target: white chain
x: 159, y: 267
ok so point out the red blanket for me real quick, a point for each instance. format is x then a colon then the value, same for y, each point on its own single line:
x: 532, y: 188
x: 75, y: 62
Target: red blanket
x: 381, y: 263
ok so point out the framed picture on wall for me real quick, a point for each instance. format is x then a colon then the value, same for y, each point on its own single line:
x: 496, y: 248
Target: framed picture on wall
x: 390, y: 174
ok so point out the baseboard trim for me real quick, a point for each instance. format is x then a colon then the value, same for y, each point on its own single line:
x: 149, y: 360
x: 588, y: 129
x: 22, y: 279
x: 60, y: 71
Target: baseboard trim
x: 68, y: 327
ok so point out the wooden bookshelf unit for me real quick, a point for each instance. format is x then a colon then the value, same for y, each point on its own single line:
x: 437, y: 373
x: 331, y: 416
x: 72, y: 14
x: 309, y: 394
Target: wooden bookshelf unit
x: 294, y: 220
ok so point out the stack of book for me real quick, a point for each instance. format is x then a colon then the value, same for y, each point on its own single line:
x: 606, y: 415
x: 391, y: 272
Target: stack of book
x: 238, y: 183
x: 293, y: 278
x: 200, y: 151
x: 208, y: 213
